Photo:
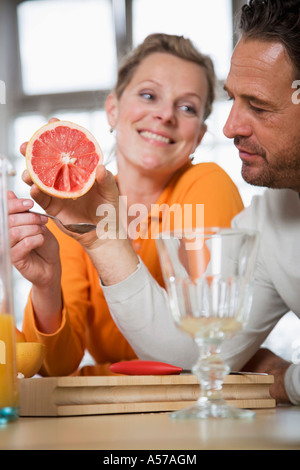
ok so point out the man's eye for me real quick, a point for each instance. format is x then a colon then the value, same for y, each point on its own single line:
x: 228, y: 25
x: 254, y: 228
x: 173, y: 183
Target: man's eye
x: 257, y: 109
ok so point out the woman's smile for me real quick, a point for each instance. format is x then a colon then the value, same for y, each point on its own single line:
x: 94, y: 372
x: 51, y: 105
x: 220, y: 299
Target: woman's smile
x: 155, y: 137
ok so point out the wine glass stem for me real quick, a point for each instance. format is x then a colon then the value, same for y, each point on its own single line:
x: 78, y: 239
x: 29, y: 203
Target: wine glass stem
x: 210, y: 369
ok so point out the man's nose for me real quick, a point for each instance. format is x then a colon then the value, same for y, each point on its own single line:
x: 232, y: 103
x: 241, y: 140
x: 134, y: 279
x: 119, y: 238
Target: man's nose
x: 237, y: 123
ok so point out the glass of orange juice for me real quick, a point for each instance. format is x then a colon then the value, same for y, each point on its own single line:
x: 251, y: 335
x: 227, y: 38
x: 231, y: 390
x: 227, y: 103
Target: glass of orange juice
x: 8, y: 370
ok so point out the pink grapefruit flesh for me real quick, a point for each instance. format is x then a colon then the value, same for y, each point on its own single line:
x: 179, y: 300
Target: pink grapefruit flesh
x: 62, y: 159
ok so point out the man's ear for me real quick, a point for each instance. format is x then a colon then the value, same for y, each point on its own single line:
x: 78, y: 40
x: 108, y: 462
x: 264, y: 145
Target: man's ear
x: 111, y: 108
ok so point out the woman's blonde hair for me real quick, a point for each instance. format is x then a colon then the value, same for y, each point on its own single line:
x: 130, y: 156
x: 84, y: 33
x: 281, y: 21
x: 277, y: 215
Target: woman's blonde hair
x: 171, y: 44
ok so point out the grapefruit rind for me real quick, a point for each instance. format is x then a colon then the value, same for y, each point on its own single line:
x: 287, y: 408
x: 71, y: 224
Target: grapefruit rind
x: 62, y: 159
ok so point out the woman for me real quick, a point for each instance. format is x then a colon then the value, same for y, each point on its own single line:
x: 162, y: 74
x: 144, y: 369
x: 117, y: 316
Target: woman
x: 158, y: 110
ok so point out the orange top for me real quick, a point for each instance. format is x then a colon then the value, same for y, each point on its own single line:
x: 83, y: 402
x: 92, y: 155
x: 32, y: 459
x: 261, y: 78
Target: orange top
x: 87, y: 323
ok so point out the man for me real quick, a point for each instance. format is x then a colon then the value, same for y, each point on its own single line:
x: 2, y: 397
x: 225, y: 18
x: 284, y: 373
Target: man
x: 265, y: 124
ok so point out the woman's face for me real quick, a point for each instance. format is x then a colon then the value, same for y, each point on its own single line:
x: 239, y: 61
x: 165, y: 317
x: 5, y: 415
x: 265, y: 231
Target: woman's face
x: 159, y: 117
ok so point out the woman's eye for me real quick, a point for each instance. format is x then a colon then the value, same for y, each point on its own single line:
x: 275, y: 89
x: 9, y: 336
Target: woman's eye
x: 147, y: 95
x: 189, y: 109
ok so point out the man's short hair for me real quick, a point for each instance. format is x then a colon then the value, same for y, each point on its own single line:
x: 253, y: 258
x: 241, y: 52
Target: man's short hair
x: 274, y: 20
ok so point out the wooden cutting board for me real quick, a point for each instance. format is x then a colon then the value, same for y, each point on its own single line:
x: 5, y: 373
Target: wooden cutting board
x: 70, y: 396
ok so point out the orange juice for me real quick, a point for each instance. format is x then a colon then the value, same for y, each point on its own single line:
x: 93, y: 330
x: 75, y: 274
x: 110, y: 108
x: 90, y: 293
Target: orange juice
x: 8, y: 370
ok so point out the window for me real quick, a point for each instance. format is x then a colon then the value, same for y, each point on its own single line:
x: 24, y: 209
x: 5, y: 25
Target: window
x: 207, y: 24
x: 66, y: 45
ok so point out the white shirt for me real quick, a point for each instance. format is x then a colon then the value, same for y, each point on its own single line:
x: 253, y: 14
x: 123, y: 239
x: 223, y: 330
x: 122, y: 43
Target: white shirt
x: 139, y: 306
x: 276, y: 215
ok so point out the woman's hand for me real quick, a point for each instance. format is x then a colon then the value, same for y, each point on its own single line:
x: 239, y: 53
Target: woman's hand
x: 111, y: 253
x: 34, y: 250
x: 84, y: 209
x: 35, y: 254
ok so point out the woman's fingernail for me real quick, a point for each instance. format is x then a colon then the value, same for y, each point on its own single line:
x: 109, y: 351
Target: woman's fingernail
x: 27, y: 203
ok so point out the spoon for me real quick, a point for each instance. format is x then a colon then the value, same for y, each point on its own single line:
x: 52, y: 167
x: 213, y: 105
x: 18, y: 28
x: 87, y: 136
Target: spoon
x: 76, y: 228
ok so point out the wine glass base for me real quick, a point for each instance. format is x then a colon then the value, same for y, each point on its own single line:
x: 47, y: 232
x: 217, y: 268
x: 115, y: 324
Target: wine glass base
x: 210, y: 409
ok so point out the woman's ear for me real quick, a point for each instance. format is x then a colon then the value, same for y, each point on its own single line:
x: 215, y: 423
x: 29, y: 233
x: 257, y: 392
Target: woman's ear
x: 202, y: 133
x: 111, y: 108
x: 200, y: 136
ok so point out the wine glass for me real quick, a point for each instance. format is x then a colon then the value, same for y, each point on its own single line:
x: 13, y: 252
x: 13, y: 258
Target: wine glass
x: 209, y: 275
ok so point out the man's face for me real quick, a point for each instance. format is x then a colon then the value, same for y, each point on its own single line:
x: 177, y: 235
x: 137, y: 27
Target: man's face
x: 264, y: 121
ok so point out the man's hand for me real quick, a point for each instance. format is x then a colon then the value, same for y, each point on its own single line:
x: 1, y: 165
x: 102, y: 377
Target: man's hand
x: 267, y: 362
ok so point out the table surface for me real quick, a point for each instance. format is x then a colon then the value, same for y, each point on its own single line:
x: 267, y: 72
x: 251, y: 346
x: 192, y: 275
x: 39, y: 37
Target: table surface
x: 276, y: 428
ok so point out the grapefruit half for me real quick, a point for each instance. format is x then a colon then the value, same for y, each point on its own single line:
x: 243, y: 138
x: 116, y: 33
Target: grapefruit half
x: 62, y: 159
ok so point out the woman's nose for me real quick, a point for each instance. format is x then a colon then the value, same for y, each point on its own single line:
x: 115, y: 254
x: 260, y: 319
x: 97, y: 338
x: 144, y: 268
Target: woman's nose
x: 166, y: 113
